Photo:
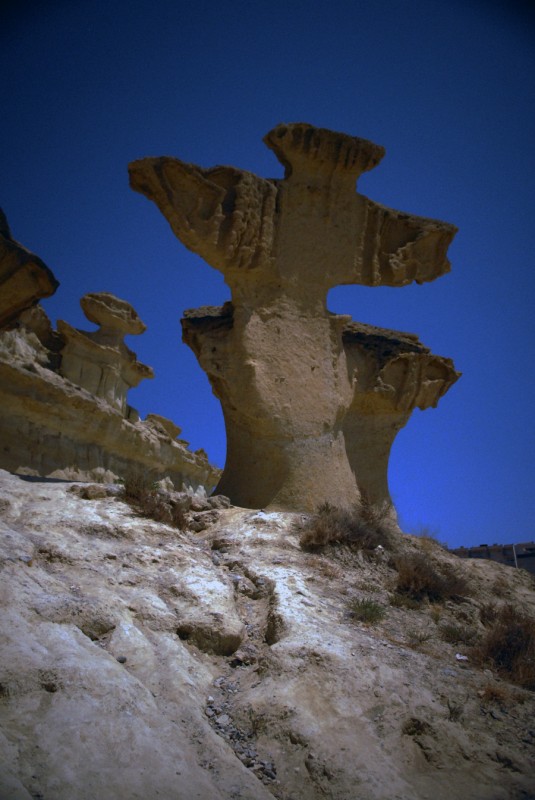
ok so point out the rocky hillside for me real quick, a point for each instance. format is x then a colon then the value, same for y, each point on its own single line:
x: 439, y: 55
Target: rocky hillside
x: 141, y: 661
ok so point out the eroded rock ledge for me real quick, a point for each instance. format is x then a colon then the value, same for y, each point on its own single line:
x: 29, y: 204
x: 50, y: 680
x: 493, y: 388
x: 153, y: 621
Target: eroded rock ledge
x: 24, y: 278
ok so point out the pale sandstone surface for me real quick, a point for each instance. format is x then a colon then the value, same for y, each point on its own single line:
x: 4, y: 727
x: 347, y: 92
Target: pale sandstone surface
x: 24, y: 278
x: 241, y: 673
x: 52, y: 426
x: 392, y: 373
x: 281, y: 245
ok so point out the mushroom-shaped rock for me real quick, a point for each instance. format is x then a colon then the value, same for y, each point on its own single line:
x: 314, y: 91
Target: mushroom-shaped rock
x: 394, y: 373
x: 24, y: 278
x: 99, y: 361
x: 112, y: 314
x: 280, y: 368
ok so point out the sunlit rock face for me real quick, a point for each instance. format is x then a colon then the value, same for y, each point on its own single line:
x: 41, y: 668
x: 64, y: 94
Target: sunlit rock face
x: 24, y: 278
x: 99, y: 361
x: 279, y: 365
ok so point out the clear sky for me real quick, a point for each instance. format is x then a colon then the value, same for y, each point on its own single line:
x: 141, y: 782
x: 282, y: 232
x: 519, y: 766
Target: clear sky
x: 448, y: 88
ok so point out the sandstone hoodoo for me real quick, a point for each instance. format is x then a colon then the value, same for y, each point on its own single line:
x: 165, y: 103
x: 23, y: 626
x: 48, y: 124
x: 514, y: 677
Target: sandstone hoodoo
x: 100, y: 361
x: 277, y: 358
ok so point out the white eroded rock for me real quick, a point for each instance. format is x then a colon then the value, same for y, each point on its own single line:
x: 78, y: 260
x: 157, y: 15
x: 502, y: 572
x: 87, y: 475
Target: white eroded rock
x: 103, y: 695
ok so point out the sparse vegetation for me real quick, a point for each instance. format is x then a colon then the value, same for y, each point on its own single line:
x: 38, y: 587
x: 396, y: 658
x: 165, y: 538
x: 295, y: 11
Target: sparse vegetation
x: 366, y: 610
x: 488, y: 613
x: 421, y: 580
x: 509, y: 646
x: 404, y: 601
x: 453, y: 633
x: 419, y: 637
x: 498, y: 695
x: 149, y: 501
x: 365, y: 527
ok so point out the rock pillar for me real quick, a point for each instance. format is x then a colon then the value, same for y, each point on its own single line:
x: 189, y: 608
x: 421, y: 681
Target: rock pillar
x: 282, y: 244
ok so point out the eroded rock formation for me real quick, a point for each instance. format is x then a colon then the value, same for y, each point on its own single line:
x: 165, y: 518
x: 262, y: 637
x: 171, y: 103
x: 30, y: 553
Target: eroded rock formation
x: 279, y: 364
x: 63, y: 395
x: 24, y: 278
x: 139, y: 663
x: 392, y: 374
x: 100, y: 361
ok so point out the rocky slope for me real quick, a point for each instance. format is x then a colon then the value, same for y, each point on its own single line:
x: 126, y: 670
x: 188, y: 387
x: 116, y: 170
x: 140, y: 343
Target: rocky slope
x: 138, y: 661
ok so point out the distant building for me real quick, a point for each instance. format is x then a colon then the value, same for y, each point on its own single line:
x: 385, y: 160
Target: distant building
x: 514, y: 555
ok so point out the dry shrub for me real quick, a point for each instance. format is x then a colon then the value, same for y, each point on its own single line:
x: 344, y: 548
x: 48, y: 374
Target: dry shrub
x: 457, y: 634
x: 488, y: 613
x: 404, y: 601
x: 495, y: 694
x: 149, y: 501
x: 509, y: 646
x: 366, y: 610
x: 365, y: 527
x: 417, y: 638
x: 421, y: 580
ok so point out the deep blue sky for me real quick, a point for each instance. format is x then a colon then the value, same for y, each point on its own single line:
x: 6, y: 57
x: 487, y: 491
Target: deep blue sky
x: 447, y: 87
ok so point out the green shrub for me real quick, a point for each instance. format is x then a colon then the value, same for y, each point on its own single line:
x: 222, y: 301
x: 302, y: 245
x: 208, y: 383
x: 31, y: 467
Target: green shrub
x: 365, y: 527
x: 420, y: 579
x: 366, y: 610
x: 509, y: 646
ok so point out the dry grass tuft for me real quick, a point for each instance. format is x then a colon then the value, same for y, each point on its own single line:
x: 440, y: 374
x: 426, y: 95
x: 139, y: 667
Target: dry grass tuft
x: 149, y: 501
x: 509, y: 646
x: 365, y: 527
x: 366, y: 610
x: 421, y: 580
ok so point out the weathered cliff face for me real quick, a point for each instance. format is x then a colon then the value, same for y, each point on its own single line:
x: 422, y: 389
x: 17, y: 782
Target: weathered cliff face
x: 138, y: 661
x: 281, y: 246
x: 63, y: 395
x: 24, y: 278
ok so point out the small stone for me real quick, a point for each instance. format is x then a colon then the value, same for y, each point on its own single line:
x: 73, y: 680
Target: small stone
x: 209, y: 712
x: 121, y: 659
x: 223, y: 720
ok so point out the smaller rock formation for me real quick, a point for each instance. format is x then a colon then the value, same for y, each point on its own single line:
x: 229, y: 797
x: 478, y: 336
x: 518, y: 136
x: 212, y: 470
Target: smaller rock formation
x: 394, y: 373
x: 63, y: 394
x: 24, y: 278
x: 100, y: 361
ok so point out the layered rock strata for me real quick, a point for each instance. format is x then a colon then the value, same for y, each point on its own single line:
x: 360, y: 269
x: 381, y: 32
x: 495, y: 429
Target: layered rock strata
x: 24, y: 278
x: 63, y: 395
x: 281, y: 245
x: 51, y: 427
